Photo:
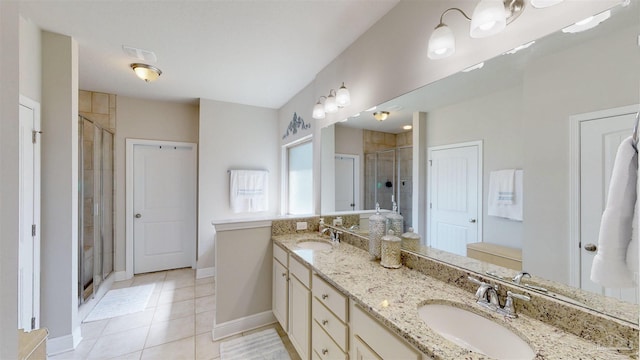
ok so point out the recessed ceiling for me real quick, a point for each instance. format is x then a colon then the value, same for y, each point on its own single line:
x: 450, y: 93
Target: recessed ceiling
x: 257, y: 52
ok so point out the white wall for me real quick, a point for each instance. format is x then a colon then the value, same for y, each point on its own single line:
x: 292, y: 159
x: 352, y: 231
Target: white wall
x: 59, y: 287
x: 232, y: 136
x: 150, y: 120
x: 30, y: 60
x: 350, y: 141
x: 9, y: 233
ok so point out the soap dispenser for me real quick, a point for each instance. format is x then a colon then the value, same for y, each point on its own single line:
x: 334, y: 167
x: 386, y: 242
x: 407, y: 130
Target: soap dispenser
x: 395, y: 220
x: 377, y: 227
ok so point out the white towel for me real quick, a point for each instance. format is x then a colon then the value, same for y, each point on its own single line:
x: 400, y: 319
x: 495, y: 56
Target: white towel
x: 609, y: 267
x: 505, y: 196
x: 249, y: 190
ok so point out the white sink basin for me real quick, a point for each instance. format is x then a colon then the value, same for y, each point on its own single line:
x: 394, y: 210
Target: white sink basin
x: 474, y: 332
x: 314, y: 244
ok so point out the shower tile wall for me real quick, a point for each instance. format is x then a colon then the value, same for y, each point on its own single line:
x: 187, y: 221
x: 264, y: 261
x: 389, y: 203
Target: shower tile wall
x: 99, y: 107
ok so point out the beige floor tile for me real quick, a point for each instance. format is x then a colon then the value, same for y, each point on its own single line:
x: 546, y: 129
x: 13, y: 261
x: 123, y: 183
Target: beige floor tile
x: 121, y: 284
x: 122, y: 343
x: 172, y: 284
x: 176, y: 295
x: 80, y: 352
x: 132, y: 356
x: 175, y: 350
x: 149, y: 278
x: 181, y: 273
x: 205, y: 303
x: 206, y: 348
x: 204, y: 322
x: 174, y: 311
x: 131, y: 321
x: 93, y: 329
x: 204, y: 290
x: 168, y: 331
x: 206, y: 280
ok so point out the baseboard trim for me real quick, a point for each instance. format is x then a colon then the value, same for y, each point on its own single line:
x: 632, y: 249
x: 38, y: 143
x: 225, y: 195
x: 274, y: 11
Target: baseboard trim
x: 121, y: 275
x: 65, y: 343
x: 237, y: 326
x: 205, y: 272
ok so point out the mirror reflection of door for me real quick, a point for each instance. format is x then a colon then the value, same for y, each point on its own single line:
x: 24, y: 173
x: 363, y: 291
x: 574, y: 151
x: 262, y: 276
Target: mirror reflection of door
x: 346, y: 175
x: 454, y: 183
x: 599, y: 141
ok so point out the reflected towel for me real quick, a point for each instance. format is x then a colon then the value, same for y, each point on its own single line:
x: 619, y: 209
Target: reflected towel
x: 609, y: 267
x: 248, y: 190
x: 505, y: 197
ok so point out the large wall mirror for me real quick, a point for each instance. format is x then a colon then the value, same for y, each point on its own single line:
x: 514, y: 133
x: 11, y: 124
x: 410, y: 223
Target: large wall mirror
x: 553, y: 112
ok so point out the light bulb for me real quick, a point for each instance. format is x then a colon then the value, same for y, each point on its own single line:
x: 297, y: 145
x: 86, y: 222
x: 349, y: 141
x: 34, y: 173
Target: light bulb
x: 330, y: 105
x: 343, y: 98
x: 442, y: 43
x: 489, y: 18
x: 318, y: 111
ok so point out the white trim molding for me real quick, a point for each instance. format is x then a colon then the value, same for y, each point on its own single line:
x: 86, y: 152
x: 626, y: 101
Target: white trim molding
x: 65, y: 343
x: 574, y: 186
x: 205, y: 272
x: 238, y: 326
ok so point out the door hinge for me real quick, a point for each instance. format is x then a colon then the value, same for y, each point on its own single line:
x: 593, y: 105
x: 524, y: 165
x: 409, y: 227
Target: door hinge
x: 430, y: 162
x: 33, y: 230
x: 430, y: 206
x: 33, y: 323
x: 33, y: 135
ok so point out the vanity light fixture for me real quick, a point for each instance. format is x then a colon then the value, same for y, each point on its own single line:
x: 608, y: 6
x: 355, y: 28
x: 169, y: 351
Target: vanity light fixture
x: 318, y: 109
x: 332, y: 102
x: 343, y: 98
x: 588, y: 23
x: 381, y: 115
x: 146, y: 72
x: 330, y: 105
x: 489, y: 18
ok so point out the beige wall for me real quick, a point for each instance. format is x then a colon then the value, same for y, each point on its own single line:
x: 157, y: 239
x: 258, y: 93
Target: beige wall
x: 30, y: 60
x: 350, y: 141
x: 149, y: 120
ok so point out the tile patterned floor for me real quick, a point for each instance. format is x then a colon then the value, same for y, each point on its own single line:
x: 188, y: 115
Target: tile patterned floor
x: 176, y: 324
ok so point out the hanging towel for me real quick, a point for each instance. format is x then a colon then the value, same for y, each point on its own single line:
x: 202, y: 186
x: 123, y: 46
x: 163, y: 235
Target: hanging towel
x: 505, y: 194
x: 610, y: 268
x: 248, y: 190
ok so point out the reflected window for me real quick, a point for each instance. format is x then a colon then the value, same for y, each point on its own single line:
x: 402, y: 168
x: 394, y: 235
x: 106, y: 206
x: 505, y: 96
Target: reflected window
x: 300, y: 178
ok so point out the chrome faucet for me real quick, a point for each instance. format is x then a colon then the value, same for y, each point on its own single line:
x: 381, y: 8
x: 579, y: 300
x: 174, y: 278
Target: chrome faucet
x: 516, y: 279
x: 487, y: 294
x: 327, y: 229
x: 334, y: 234
x: 509, y: 310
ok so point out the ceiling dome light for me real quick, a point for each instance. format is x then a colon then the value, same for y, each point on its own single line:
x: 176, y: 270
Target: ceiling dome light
x: 381, y: 115
x: 588, y: 23
x: 541, y: 4
x: 146, y: 72
x: 442, y: 43
x: 407, y: 127
x: 343, y: 98
x: 489, y: 18
x: 318, y: 111
x: 330, y: 105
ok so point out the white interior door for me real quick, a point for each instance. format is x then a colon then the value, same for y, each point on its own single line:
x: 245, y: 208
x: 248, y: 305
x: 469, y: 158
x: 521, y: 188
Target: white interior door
x: 29, y: 242
x: 164, y: 206
x: 599, y: 141
x: 454, y: 185
x: 346, y: 177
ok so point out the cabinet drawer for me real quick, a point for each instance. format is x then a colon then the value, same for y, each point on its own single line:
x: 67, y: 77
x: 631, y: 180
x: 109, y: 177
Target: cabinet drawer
x: 336, y: 329
x: 280, y: 254
x: 323, y: 346
x: 330, y: 297
x: 300, y: 271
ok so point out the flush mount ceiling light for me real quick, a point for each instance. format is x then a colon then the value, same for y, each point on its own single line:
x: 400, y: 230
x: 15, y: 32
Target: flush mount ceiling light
x: 588, y: 23
x: 146, y: 72
x: 489, y: 18
x: 332, y: 102
x: 381, y: 115
x: 407, y: 127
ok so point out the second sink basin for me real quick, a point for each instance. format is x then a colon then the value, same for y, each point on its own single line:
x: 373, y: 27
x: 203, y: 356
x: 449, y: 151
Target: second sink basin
x: 474, y: 332
x: 313, y: 244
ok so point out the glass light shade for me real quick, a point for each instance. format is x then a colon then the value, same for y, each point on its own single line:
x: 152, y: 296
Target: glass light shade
x: 541, y: 4
x: 588, y: 23
x: 343, y: 98
x: 318, y: 111
x: 381, y: 115
x: 146, y: 72
x: 489, y: 18
x: 442, y: 43
x: 330, y: 105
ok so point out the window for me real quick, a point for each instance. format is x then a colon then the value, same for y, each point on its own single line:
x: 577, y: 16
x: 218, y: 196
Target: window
x: 300, y: 178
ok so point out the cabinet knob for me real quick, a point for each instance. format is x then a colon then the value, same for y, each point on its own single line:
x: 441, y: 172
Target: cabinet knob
x: 325, y: 351
x: 325, y: 322
x: 284, y: 274
x: 324, y: 296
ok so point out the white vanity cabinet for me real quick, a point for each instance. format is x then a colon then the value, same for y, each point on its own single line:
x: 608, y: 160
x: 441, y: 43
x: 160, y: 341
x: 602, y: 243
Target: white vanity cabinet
x: 280, y: 291
x: 300, y: 307
x: 371, y: 340
x: 330, y: 321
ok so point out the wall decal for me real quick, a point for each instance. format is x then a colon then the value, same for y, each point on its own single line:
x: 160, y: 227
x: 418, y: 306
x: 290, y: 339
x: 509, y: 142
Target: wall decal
x: 296, y: 123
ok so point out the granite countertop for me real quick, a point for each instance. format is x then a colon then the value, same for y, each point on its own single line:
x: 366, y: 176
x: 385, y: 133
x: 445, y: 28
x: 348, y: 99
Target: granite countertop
x: 393, y: 296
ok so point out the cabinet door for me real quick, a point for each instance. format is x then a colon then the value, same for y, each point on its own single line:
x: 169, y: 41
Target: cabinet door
x: 299, y: 317
x: 363, y: 352
x: 280, y: 294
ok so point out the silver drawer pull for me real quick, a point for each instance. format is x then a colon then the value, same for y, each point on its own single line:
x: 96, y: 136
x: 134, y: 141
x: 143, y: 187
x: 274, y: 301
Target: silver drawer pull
x: 325, y: 351
x: 325, y: 322
x: 324, y: 296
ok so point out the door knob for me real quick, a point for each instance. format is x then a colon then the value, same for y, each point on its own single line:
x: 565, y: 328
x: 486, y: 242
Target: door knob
x: 590, y: 247
x: 138, y: 216
x: 472, y: 221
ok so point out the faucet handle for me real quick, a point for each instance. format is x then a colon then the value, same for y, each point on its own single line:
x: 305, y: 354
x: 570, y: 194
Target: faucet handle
x: 509, y: 310
x: 516, y: 279
x: 518, y: 296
